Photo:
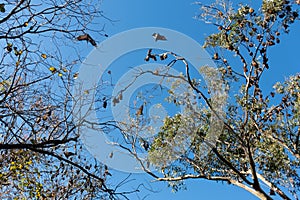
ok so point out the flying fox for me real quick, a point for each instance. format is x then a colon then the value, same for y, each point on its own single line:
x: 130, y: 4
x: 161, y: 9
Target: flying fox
x: 88, y: 38
x: 150, y: 55
x: 157, y: 37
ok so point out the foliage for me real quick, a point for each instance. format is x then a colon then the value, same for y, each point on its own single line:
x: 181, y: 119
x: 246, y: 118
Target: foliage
x: 257, y: 148
x: 40, y: 151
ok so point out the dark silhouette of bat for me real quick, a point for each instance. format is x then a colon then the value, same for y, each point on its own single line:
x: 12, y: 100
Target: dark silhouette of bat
x: 149, y: 55
x: 106, y: 172
x: 144, y: 144
x: 87, y: 38
x: 216, y: 56
x: 157, y: 36
x: 68, y: 154
x: 104, y: 104
x: 140, y: 110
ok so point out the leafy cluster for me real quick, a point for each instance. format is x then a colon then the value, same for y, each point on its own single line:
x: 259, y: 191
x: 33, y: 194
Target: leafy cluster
x: 259, y: 140
x: 40, y: 151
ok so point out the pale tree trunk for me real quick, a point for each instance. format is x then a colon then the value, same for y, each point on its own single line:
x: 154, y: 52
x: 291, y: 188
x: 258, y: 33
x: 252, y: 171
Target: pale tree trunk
x: 260, y: 194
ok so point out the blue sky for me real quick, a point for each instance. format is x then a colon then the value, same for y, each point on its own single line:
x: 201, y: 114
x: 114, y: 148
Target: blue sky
x: 178, y: 15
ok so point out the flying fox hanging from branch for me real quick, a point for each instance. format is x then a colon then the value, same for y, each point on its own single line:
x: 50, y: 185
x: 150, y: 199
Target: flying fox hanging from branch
x: 88, y: 38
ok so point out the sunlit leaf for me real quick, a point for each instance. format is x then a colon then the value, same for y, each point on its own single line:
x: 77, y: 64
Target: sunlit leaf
x: 52, y: 69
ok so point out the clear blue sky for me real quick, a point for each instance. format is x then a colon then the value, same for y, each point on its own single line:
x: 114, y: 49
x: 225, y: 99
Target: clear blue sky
x: 178, y: 15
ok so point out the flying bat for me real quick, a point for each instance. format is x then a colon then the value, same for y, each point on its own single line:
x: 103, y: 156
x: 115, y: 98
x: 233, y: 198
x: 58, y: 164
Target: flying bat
x: 157, y: 36
x: 88, y: 38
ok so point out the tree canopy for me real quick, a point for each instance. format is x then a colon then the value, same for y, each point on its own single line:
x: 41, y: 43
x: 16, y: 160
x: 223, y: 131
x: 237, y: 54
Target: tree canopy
x: 255, y: 136
x: 230, y: 128
x: 40, y: 151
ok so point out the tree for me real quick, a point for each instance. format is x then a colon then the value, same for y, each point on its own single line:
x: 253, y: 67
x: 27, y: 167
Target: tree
x: 40, y: 151
x: 257, y: 148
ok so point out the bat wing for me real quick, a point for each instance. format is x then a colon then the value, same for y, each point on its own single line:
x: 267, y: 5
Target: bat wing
x: 160, y: 37
x: 92, y: 41
x: 149, y: 52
